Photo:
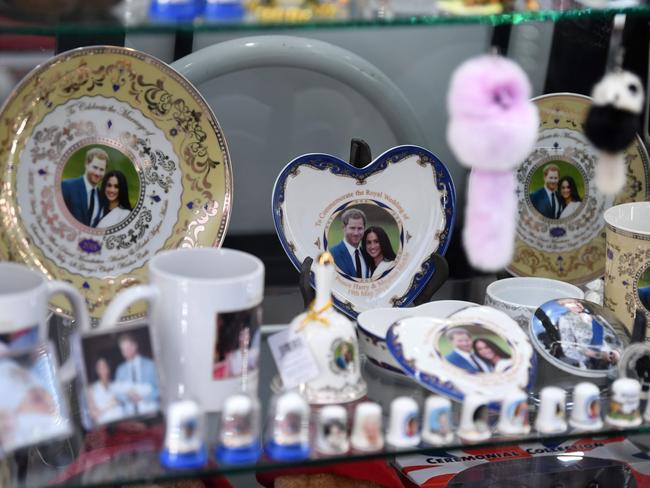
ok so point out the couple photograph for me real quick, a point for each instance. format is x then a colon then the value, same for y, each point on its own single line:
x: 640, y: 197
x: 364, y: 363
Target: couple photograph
x: 556, y: 189
x: 366, y: 241
x: 479, y: 351
x: 122, y: 376
x: 100, y: 186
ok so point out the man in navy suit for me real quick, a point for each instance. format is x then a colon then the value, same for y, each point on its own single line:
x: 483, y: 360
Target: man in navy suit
x: 463, y: 355
x: 347, y: 253
x: 137, y: 379
x: 545, y: 200
x: 81, y: 195
x: 644, y: 295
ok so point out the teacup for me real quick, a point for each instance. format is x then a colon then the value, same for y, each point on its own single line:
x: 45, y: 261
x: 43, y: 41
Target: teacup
x: 627, y: 267
x: 520, y: 297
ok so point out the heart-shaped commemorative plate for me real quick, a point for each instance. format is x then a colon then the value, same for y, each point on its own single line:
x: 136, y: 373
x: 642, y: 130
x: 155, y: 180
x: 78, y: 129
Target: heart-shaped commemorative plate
x: 382, y: 223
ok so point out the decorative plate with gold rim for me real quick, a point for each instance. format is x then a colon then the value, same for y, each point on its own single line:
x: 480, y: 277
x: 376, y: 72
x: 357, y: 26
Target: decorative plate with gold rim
x: 561, y: 229
x: 108, y: 156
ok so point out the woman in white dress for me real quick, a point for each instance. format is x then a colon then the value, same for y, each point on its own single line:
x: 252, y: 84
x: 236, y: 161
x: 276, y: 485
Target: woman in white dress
x: 569, y: 196
x: 102, y: 400
x: 492, y: 355
x: 116, y: 205
x: 378, y: 251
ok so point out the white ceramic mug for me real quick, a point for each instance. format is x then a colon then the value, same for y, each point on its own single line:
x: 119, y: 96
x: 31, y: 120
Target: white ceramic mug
x: 519, y: 297
x: 24, y: 296
x: 199, y: 299
x: 627, y: 265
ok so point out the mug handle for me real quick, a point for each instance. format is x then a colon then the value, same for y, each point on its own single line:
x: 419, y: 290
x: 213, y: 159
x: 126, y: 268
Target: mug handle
x: 125, y: 299
x: 68, y: 370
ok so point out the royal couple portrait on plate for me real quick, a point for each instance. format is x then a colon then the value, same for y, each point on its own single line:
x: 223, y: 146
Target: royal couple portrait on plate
x: 100, y: 196
x: 131, y: 390
x: 365, y: 252
x: 476, y: 354
x: 559, y: 197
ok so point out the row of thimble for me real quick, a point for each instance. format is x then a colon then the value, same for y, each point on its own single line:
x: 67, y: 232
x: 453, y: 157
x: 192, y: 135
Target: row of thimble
x: 624, y: 409
x: 474, y: 426
x: 288, y: 436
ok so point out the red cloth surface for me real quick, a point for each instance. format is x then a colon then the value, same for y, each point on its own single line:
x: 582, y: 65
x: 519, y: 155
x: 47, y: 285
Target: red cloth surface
x: 376, y: 471
x: 102, y: 444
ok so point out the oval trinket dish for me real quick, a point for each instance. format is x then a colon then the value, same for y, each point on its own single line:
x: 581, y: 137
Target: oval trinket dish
x: 476, y: 351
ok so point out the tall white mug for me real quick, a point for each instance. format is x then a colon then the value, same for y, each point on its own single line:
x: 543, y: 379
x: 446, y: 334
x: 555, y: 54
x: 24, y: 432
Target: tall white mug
x: 205, y: 313
x: 24, y: 295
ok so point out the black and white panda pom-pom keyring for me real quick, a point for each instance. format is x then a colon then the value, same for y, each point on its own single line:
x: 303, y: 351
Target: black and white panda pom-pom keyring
x: 612, y: 123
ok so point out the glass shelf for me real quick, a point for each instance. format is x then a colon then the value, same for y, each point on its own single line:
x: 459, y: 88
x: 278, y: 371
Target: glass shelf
x: 128, y: 452
x: 337, y: 14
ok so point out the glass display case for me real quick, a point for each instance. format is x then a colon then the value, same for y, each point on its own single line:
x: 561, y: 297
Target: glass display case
x: 572, y: 38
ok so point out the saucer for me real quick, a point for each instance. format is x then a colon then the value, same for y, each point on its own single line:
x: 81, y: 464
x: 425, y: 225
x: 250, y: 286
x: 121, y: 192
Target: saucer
x: 403, y: 200
x: 568, y: 244
x: 160, y: 174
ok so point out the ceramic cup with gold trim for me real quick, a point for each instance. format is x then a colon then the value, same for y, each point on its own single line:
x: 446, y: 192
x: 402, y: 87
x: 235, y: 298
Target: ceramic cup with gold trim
x: 627, y: 269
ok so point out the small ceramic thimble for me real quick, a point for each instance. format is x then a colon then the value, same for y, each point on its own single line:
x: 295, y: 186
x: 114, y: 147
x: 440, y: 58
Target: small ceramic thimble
x: 332, y: 433
x: 474, y: 421
x: 403, y: 428
x: 437, y: 428
x: 624, y: 403
x: 239, y: 433
x: 184, y: 447
x: 586, y: 407
x: 551, y: 414
x: 288, y: 437
x: 513, y: 419
x: 367, y: 433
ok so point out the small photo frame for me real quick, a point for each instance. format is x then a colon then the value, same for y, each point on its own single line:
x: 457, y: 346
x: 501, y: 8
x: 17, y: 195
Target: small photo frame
x: 120, y: 378
x: 33, y: 409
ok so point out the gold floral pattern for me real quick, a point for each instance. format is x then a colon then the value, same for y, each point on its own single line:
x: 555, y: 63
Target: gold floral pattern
x: 179, y: 114
x: 583, y: 260
x: 628, y: 256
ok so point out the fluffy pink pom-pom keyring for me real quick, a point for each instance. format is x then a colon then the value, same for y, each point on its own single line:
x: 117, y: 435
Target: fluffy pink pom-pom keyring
x: 492, y: 128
